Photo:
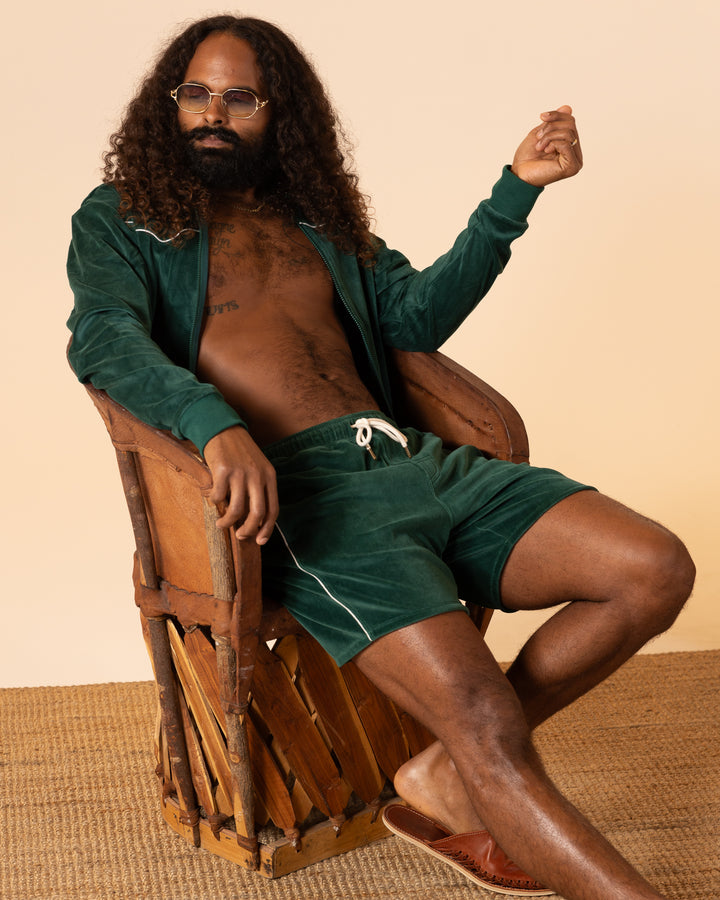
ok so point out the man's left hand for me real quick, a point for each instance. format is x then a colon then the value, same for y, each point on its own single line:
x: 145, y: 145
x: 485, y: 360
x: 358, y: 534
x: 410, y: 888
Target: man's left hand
x: 551, y: 152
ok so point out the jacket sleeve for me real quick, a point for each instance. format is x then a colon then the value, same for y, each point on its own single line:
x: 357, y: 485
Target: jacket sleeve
x: 419, y: 310
x: 112, y: 323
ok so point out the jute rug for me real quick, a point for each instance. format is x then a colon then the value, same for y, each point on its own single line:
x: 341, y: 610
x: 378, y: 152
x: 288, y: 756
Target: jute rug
x: 79, y: 809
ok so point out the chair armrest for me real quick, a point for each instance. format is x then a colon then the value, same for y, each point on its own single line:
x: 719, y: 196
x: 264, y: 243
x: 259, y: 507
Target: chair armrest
x: 130, y: 434
x: 436, y: 394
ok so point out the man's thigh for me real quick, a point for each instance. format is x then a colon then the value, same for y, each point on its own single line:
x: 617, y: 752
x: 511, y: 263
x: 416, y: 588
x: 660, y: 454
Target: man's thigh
x: 586, y: 547
x: 494, y: 504
x: 442, y: 672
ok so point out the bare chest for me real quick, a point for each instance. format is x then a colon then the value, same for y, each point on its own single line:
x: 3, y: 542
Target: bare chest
x: 269, y: 295
x: 253, y: 259
x: 271, y: 341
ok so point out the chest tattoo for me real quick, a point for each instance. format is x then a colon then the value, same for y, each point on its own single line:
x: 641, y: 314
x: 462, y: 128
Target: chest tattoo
x: 220, y: 237
x: 260, y: 251
x: 217, y: 309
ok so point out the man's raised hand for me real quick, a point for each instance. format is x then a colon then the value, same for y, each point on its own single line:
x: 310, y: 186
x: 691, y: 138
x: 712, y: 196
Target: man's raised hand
x: 551, y: 151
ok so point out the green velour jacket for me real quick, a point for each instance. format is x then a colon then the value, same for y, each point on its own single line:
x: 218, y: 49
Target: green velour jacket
x: 139, y: 305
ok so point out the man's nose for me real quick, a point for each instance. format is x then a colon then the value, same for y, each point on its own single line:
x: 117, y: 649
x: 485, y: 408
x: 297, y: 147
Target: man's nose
x: 215, y: 113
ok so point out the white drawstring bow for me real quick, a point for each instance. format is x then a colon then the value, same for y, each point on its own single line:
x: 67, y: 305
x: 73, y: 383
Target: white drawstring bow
x: 365, y: 432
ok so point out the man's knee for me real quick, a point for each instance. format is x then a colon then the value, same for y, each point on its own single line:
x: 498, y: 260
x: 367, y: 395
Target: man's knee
x: 488, y: 723
x: 498, y: 747
x: 662, y: 573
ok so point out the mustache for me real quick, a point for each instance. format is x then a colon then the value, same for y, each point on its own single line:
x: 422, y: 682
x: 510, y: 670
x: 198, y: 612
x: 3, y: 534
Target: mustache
x: 203, y: 131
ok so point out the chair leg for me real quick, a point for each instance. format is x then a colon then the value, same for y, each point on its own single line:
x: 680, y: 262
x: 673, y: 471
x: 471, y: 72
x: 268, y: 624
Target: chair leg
x: 172, y: 723
x: 239, y: 752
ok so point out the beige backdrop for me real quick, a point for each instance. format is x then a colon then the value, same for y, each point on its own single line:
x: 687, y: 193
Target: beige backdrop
x: 603, y: 330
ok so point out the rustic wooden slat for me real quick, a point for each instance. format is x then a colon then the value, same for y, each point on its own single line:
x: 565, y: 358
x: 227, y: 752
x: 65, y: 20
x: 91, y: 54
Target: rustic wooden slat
x: 201, y: 651
x: 418, y: 736
x: 480, y: 616
x: 201, y: 777
x: 286, y: 649
x: 214, y: 745
x: 270, y: 786
x: 301, y: 803
x: 335, y: 707
x: 272, y: 793
x: 164, y: 770
x: 288, y: 719
x: 379, y: 719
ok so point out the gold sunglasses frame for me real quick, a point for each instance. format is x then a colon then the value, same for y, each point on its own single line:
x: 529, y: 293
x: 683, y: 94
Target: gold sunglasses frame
x: 258, y: 102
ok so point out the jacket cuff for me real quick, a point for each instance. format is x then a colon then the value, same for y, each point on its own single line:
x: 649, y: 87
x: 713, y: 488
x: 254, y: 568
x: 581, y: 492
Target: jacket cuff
x: 513, y: 197
x: 206, y: 417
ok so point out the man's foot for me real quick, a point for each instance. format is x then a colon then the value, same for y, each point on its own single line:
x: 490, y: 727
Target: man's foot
x: 430, y: 784
x: 475, y: 854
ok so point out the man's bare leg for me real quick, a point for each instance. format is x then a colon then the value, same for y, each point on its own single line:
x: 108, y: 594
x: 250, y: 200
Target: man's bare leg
x: 628, y: 579
x: 636, y: 577
x: 441, y: 671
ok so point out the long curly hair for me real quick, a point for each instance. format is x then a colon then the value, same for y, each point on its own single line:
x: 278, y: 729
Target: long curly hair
x: 315, y: 180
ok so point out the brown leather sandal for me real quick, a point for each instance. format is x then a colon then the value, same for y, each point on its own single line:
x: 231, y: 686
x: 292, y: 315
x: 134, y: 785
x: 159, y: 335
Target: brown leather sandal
x: 475, y: 853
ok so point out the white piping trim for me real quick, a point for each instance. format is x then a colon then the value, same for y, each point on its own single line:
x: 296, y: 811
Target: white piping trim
x: 335, y: 599
x: 131, y: 223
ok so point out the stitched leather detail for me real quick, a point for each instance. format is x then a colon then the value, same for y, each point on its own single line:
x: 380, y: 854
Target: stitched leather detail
x: 467, y: 862
x: 479, y: 853
x: 475, y: 852
x: 190, y: 608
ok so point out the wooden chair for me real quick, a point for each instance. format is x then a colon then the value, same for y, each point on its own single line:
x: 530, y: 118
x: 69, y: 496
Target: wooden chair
x: 267, y: 753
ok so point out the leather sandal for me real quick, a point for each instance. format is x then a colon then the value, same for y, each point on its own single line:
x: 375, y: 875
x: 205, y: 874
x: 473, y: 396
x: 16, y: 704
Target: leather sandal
x: 475, y: 853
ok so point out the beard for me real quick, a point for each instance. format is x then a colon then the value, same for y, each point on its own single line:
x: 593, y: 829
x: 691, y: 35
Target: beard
x: 247, y: 163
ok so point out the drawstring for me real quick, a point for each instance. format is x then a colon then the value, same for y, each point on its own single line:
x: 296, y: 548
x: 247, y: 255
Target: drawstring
x: 365, y: 433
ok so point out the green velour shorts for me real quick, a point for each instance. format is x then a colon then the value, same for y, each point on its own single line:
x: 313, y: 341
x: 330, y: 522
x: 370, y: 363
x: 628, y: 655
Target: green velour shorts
x: 368, y: 543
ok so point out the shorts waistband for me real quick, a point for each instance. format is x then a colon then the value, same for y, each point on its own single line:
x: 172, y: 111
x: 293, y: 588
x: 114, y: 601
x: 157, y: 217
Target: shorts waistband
x: 325, y: 433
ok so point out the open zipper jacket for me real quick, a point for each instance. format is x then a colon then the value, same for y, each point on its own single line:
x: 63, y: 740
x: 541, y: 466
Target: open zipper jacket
x: 139, y: 305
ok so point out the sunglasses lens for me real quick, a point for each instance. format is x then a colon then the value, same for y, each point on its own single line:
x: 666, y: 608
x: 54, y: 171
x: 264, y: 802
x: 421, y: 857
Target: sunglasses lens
x: 193, y: 97
x: 240, y: 104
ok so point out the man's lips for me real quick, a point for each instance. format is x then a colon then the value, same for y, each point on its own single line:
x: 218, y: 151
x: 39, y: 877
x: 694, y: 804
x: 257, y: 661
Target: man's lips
x: 211, y: 142
x: 212, y: 138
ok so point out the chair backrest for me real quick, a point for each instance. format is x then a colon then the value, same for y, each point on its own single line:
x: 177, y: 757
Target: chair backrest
x: 166, y: 485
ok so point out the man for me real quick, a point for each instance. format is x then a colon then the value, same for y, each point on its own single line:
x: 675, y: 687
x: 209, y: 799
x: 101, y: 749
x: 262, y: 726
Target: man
x: 228, y: 287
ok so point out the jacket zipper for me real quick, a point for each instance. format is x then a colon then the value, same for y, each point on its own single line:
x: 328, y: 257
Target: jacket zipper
x: 200, y: 301
x: 309, y: 231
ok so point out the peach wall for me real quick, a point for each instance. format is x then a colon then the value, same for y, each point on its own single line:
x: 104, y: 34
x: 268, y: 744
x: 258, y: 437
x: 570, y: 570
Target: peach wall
x: 602, y: 331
